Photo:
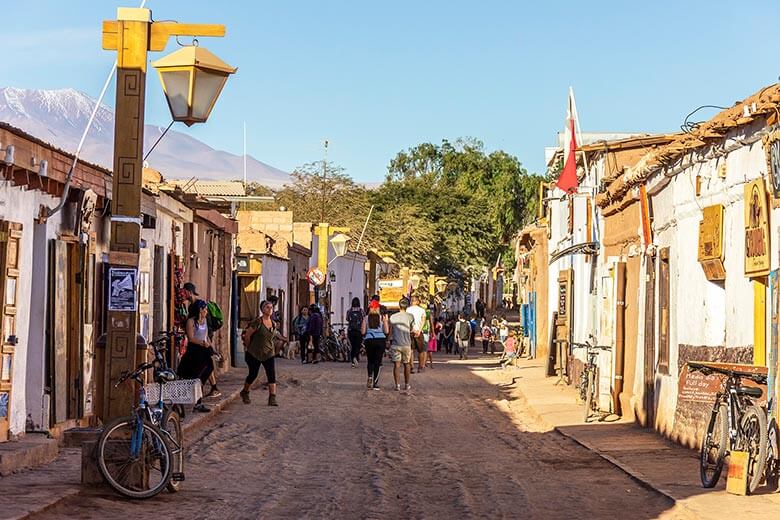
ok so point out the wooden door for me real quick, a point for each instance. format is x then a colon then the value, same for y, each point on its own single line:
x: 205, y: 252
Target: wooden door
x: 10, y: 243
x: 664, y: 310
x: 649, y: 364
x: 58, y: 304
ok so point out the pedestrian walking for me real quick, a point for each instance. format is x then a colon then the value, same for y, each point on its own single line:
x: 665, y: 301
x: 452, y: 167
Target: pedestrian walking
x: 260, y: 343
x: 354, y: 320
x: 479, y: 306
x: 401, y: 330
x: 449, y: 329
x: 314, y: 331
x: 486, y: 338
x: 418, y: 339
x: 375, y: 329
x: 510, y: 351
x: 433, y: 340
x: 463, y: 334
x: 473, y: 324
x: 196, y: 362
x: 300, y: 327
x: 503, y: 329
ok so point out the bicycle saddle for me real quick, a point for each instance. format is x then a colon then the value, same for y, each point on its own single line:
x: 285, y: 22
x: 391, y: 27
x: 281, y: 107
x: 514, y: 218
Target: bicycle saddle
x: 751, y: 391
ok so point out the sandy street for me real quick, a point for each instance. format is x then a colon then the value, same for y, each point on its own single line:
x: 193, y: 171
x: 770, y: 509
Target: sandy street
x: 451, y: 448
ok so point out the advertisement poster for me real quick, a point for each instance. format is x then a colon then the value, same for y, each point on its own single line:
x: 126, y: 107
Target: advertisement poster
x: 123, y: 289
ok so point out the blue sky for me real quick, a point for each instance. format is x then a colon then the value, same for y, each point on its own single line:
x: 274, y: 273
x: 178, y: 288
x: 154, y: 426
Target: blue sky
x: 377, y: 77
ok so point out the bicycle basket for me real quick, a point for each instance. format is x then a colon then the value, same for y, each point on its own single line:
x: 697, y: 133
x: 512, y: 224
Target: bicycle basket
x: 180, y: 391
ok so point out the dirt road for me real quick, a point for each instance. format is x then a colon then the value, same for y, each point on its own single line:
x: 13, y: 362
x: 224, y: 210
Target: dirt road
x: 452, y: 447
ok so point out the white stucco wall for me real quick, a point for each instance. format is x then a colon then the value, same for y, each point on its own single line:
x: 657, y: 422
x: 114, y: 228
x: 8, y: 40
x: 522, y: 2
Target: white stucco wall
x: 349, y: 284
x: 274, y: 277
x: 20, y: 205
x: 705, y: 313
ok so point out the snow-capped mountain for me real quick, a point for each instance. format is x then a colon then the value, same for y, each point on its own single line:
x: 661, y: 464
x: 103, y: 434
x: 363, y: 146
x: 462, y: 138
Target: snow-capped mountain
x: 60, y: 116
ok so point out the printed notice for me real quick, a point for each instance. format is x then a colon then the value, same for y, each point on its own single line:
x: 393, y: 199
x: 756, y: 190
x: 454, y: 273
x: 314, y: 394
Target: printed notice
x: 123, y: 289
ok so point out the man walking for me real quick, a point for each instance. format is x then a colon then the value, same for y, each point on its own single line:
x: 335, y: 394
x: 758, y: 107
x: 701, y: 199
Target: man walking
x: 463, y: 336
x: 401, y: 324
x: 419, y: 326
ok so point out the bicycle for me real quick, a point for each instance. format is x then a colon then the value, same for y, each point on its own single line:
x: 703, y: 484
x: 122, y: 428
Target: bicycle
x: 141, y: 454
x: 589, y: 378
x: 736, y: 424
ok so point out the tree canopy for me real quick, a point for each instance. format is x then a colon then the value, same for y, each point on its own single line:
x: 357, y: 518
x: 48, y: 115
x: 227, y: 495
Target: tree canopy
x: 448, y: 209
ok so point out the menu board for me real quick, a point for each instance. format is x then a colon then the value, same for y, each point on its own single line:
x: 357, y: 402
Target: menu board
x: 696, y: 387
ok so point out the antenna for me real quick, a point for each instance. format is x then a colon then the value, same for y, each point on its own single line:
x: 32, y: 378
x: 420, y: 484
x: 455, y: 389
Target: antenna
x: 244, y: 156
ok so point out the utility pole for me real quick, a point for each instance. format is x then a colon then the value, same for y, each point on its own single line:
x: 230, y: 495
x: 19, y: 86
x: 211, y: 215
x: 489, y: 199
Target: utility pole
x: 323, y: 185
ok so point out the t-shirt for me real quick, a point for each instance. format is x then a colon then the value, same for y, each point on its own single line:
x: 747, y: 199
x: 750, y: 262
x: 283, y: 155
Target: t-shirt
x: 510, y: 345
x: 418, y: 313
x: 401, y: 327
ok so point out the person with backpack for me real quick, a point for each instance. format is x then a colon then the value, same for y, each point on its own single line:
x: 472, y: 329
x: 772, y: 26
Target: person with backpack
x: 314, y: 330
x: 375, y: 328
x: 259, y: 340
x: 463, y: 336
x: 300, y: 329
x: 354, y: 319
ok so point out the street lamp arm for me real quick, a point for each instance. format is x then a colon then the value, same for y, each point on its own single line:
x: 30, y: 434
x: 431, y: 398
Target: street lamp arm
x: 161, y: 32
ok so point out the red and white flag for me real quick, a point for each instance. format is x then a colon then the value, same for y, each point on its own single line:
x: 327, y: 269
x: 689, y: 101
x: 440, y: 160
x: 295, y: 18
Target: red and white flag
x: 567, y: 181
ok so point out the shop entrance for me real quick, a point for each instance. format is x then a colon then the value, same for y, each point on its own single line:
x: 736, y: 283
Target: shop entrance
x: 10, y: 242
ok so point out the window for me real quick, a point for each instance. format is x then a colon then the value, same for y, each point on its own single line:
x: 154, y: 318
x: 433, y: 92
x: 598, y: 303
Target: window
x: 663, y: 311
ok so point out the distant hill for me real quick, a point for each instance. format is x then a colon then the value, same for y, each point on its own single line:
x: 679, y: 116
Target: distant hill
x: 60, y: 116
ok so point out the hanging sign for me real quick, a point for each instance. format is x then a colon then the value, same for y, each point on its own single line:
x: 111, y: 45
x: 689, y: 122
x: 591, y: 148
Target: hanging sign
x: 122, y: 289
x: 315, y: 276
x: 711, y: 243
x: 772, y: 150
x: 756, y: 230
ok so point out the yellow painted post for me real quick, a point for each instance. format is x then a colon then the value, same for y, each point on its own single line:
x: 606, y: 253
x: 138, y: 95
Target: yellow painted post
x: 322, y: 247
x: 759, y: 322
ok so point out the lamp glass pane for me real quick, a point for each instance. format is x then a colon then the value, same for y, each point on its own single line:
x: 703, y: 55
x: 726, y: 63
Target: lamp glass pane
x: 177, y: 88
x: 207, y: 88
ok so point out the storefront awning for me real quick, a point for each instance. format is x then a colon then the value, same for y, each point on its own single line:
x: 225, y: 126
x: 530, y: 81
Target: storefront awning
x: 586, y: 248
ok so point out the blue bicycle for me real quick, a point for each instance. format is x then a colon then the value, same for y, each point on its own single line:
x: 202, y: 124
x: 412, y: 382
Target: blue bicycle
x: 142, y: 454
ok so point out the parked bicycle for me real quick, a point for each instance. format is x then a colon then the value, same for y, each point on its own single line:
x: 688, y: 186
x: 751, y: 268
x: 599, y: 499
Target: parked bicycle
x: 143, y: 453
x: 737, y: 423
x: 588, y: 385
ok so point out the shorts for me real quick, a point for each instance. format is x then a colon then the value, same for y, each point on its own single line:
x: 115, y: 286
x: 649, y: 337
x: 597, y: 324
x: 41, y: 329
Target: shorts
x: 420, y: 345
x: 401, y: 354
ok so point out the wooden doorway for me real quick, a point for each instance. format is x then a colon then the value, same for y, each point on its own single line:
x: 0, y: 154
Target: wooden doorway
x: 10, y: 244
x: 649, y: 356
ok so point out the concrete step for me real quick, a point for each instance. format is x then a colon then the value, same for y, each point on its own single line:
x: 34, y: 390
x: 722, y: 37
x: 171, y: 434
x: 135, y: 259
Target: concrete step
x: 33, y: 450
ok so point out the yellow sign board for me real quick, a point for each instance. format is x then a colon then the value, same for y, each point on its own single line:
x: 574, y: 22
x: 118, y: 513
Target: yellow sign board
x: 736, y: 483
x: 756, y: 229
x: 711, y: 243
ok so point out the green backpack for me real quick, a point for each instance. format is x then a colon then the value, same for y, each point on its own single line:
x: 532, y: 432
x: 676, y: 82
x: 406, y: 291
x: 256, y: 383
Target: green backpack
x: 215, y: 317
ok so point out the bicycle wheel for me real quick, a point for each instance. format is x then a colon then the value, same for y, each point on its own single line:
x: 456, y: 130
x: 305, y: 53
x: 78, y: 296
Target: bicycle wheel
x: 713, y: 447
x: 754, y: 440
x: 172, y: 424
x: 588, y: 395
x: 136, y: 462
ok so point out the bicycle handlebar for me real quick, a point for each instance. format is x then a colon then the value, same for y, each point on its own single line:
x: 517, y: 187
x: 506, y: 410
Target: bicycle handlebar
x: 134, y: 374
x: 587, y: 345
x: 696, y: 366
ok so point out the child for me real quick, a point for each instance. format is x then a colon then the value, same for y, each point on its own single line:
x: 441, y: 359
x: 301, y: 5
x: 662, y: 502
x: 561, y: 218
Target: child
x: 510, y: 350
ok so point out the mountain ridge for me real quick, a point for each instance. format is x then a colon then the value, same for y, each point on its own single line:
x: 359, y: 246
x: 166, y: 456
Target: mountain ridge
x: 60, y: 116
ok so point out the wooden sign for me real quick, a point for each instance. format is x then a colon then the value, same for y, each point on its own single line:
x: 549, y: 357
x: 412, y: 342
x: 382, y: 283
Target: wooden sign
x: 697, y: 387
x: 756, y: 230
x: 711, y: 243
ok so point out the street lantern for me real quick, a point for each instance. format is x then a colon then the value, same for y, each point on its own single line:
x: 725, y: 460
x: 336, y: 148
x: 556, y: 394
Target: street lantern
x: 340, y: 243
x: 415, y: 281
x: 441, y: 285
x: 192, y: 79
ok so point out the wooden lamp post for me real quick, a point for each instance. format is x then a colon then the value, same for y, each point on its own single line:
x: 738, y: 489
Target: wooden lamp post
x: 133, y: 35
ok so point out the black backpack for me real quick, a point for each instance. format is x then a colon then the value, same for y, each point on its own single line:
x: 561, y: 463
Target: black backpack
x: 355, y: 320
x: 464, y: 330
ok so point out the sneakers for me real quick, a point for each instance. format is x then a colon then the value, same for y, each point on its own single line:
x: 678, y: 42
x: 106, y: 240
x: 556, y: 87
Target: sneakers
x: 354, y: 364
x: 376, y: 388
x: 272, y: 400
x: 370, y: 382
x: 245, y: 397
x: 397, y: 388
x: 408, y: 387
x: 214, y: 392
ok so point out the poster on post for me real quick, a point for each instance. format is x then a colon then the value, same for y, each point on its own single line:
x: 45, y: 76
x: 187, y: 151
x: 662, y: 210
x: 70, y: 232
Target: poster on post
x: 123, y: 289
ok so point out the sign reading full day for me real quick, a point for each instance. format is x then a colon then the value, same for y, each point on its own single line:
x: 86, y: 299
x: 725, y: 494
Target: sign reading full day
x: 756, y: 229
x: 122, y: 289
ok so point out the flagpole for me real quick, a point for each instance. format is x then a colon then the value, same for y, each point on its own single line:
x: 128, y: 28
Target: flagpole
x: 576, y: 117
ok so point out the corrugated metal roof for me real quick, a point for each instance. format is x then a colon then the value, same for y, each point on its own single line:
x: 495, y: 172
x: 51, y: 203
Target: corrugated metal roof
x: 211, y: 188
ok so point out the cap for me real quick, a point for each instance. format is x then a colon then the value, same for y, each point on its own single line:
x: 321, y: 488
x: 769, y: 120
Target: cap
x: 374, y: 304
x: 189, y: 286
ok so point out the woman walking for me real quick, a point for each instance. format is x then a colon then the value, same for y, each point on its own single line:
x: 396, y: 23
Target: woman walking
x: 354, y: 319
x: 434, y: 341
x: 300, y: 327
x: 375, y: 330
x: 196, y: 362
x: 260, y: 351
